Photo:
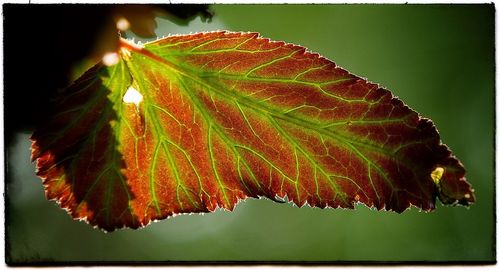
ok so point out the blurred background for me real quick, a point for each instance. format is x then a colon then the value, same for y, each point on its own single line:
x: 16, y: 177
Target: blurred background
x: 439, y: 59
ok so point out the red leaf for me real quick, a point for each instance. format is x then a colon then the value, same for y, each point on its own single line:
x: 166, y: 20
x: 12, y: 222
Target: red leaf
x: 225, y: 116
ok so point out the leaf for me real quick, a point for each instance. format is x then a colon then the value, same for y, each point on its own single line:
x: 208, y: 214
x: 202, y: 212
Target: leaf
x: 225, y: 116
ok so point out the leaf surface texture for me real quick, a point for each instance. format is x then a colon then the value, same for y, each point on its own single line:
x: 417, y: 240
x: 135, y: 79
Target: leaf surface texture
x: 226, y: 115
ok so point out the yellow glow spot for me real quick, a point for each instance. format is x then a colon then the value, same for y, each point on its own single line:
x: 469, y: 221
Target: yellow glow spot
x: 132, y: 96
x: 122, y: 24
x: 110, y: 59
x: 437, y: 174
x: 467, y: 196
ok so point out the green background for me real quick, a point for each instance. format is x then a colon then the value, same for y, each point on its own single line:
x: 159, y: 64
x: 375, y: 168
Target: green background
x: 439, y: 59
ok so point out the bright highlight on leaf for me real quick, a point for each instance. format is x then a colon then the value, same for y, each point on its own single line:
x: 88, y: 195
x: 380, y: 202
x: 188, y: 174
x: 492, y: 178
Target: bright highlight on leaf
x: 224, y: 116
x: 132, y: 96
x: 110, y: 59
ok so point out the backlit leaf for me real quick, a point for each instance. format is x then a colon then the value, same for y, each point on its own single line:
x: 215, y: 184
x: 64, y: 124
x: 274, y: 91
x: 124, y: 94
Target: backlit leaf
x: 190, y: 123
